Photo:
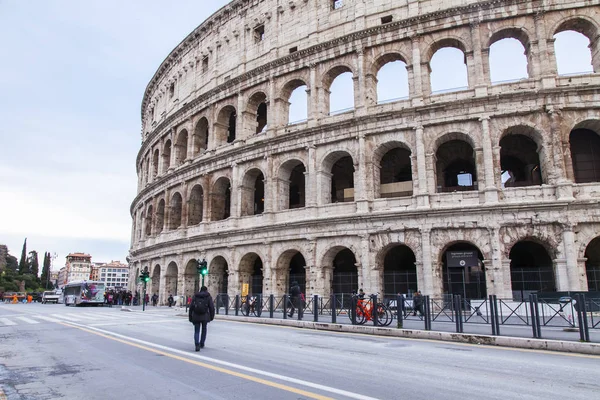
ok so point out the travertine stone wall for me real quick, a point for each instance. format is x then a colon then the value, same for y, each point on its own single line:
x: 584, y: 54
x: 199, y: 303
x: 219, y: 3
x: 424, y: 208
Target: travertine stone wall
x: 188, y: 172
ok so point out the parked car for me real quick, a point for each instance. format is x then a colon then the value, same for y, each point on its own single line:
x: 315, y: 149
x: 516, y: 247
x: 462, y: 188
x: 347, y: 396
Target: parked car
x: 50, y: 297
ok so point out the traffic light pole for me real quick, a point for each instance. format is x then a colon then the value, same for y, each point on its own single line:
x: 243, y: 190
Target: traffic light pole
x: 144, y: 298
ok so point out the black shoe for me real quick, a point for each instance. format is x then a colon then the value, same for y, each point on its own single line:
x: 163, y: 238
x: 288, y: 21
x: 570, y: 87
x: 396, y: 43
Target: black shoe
x: 201, y: 346
x: 290, y: 315
x: 198, y: 347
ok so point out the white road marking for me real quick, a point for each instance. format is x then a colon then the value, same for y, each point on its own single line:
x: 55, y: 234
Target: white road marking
x: 7, y: 322
x: 154, y: 321
x: 284, y: 378
x: 28, y: 320
x: 46, y: 318
x: 67, y: 317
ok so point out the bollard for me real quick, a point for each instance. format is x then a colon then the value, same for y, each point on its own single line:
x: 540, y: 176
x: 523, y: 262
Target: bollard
x: 333, y: 309
x: 494, y: 317
x: 237, y: 304
x: 285, y: 301
x: 316, y: 307
x: 258, y: 303
x: 247, y: 306
x: 427, y: 317
x: 218, y: 305
x: 400, y: 311
x: 584, y: 332
x: 374, y: 310
x: 353, y: 305
x: 271, y: 305
x: 226, y: 304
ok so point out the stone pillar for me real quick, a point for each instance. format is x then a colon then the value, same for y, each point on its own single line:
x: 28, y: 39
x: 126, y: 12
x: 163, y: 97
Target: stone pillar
x: 270, y: 187
x: 561, y: 274
x: 310, y: 184
x: 359, y: 84
x: 545, y: 62
x: 491, y: 191
x: 360, y: 191
x: 273, y: 110
x: 571, y: 258
x: 417, y: 83
x: 236, y: 192
x: 431, y: 175
x: 506, y: 279
x: 564, y: 188
x: 480, y: 83
x: 162, y: 293
x: 206, y: 190
x: 323, y: 187
x: 184, y: 204
x: 172, y: 165
x: 366, y: 277
x: 582, y: 271
x: 240, y: 126
x: 313, y: 110
x: 428, y: 287
x: 422, y: 193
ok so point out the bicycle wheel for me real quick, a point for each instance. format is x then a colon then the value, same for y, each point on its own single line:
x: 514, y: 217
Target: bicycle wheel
x: 245, y: 309
x: 384, y: 315
x: 360, y: 317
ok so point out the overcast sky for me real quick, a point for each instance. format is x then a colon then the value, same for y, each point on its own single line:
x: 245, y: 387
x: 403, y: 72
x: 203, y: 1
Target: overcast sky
x: 72, y: 79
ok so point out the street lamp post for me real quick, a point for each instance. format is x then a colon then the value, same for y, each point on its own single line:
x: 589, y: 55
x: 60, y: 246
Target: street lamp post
x: 202, y: 267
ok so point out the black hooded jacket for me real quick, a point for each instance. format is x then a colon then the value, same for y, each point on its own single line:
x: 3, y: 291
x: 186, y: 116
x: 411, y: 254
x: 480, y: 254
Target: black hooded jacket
x: 208, y: 316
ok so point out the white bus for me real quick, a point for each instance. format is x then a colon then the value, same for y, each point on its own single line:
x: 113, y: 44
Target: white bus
x: 83, y: 292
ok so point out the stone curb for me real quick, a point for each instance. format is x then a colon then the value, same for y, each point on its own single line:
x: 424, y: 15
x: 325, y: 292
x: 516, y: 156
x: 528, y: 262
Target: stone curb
x: 502, y: 341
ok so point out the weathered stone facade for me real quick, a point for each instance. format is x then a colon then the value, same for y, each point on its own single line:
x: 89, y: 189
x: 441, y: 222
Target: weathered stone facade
x: 224, y: 177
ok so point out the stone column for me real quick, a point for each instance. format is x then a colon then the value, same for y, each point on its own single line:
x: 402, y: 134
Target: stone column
x: 506, y: 280
x: 313, y: 110
x: 491, y: 191
x: 236, y: 191
x: 270, y: 187
x: 582, y: 272
x: 417, y: 83
x: 479, y: 83
x: 564, y: 188
x: 545, y: 62
x: 323, y: 187
x: 422, y: 193
x: 190, y: 142
x: 206, y: 190
x: 561, y: 273
x: 571, y: 258
x: 428, y: 287
x: 359, y: 84
x: 360, y: 191
x: 310, y: 184
x: 240, y: 126
x: 431, y: 176
x: 273, y: 109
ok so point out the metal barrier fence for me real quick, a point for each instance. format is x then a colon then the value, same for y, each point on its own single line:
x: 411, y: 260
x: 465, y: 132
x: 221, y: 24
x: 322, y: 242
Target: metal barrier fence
x: 577, y: 314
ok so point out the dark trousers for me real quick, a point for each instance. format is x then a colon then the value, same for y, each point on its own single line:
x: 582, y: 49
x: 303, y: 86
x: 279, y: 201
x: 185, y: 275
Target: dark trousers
x: 197, y: 338
x: 295, y: 302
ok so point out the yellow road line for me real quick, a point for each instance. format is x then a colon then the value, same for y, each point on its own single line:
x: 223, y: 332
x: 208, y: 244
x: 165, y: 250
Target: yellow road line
x: 208, y: 366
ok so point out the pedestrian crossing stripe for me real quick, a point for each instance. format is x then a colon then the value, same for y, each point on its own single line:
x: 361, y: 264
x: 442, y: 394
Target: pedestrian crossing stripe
x: 16, y: 319
x: 7, y: 322
x: 28, y: 320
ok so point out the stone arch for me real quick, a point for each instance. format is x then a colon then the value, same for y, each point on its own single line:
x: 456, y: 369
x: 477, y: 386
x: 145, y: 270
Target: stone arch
x: 291, y: 185
x: 155, y: 163
x: 225, y: 126
x: 200, y: 137
x: 343, y: 264
x: 328, y: 80
x: 584, y: 145
x: 463, y: 270
x: 521, y: 155
x: 195, y: 205
x: 149, y: 217
x: 221, y: 199
x: 456, y: 166
x: 531, y: 267
x: 175, y: 214
x: 432, y: 51
x: 251, y: 273
x: 166, y: 156
x: 218, y: 274
x: 256, y: 115
x: 253, y: 192
x: 396, y: 61
x: 396, y: 264
x: 171, y: 275
x: 289, y: 109
x: 160, y: 217
x: 338, y: 178
x: 181, y: 145
x: 592, y: 264
x: 519, y: 34
x: 393, y: 170
x: 191, y: 278
x: 585, y: 26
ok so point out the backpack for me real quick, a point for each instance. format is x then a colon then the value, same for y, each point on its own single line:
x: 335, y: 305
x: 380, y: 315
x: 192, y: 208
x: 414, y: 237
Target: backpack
x: 200, y: 305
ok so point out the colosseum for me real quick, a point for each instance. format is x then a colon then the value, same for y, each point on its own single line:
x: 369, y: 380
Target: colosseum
x: 488, y: 188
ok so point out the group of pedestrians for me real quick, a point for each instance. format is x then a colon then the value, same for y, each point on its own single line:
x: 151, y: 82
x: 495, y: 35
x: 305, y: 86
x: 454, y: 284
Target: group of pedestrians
x: 118, y: 298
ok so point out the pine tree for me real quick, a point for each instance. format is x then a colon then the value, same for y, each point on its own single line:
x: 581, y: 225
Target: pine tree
x: 34, y: 266
x: 45, y: 270
x: 23, y: 264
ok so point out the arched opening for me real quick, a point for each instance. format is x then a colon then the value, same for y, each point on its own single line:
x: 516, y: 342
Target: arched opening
x: 342, y: 178
x: 399, y: 271
x: 181, y: 147
x: 345, y: 275
x: 200, y: 138
x: 392, y: 81
x: 511, y: 49
x: 191, y: 278
x: 463, y: 271
x: 171, y: 279
x: 160, y: 217
x: 395, y: 173
x: 296, y: 106
x: 221, y: 200
x: 219, y: 271
x: 166, y: 157
x: 573, y: 52
x: 256, y: 117
x: 253, y: 193
x: 291, y: 184
x: 155, y: 280
x: 225, y: 126
x: 176, y: 210
x: 531, y: 269
x: 251, y: 274
x: 455, y: 167
x: 155, y: 159
x: 195, y: 205
x: 297, y: 271
x: 448, y: 67
x: 339, y: 86
x: 592, y: 265
x: 519, y: 161
x: 585, y: 154
x: 149, y: 221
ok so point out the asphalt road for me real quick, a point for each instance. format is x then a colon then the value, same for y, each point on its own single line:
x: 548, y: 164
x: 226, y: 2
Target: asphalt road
x: 57, y: 352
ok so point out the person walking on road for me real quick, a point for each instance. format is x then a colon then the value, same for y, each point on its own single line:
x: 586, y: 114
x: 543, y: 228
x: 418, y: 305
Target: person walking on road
x: 295, y: 294
x: 202, y: 311
x: 170, y: 300
x: 418, y: 303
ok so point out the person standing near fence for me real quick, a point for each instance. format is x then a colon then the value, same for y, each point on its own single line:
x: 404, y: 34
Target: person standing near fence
x: 418, y: 303
x: 202, y: 311
x: 295, y: 299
